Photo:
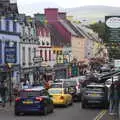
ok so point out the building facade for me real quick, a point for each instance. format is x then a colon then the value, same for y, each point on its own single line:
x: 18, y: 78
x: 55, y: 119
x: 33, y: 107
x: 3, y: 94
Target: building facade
x: 28, y: 49
x: 10, y: 47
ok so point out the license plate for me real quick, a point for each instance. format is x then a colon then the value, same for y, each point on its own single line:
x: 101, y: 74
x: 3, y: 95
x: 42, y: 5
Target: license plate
x: 92, y: 94
x: 27, y: 102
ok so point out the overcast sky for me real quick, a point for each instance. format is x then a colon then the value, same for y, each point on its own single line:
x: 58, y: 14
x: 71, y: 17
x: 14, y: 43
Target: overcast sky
x: 73, y: 3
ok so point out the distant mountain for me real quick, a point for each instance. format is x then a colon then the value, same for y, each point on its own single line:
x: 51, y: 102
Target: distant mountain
x: 92, y: 13
x: 37, y: 7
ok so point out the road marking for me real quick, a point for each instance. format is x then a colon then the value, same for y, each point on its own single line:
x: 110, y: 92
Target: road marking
x: 100, y: 115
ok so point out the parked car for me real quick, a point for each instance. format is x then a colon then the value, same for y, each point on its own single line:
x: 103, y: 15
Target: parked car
x: 60, y: 96
x: 95, y: 94
x: 32, y: 100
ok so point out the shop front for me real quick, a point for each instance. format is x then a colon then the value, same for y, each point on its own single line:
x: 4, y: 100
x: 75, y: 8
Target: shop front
x: 61, y: 71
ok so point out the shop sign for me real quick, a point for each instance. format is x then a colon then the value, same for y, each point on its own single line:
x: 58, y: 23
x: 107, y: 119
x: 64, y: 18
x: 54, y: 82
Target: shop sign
x: 10, y: 52
x: 37, y: 59
x: 112, y: 28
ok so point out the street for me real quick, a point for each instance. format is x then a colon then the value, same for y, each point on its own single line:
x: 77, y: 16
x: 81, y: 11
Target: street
x: 74, y: 112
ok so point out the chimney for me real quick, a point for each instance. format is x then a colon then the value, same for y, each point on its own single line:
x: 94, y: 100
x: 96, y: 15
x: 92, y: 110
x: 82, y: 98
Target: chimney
x: 51, y: 14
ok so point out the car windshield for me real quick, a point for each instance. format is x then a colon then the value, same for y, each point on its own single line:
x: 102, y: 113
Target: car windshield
x: 96, y: 89
x: 56, y: 85
x: 55, y: 91
x: 30, y: 93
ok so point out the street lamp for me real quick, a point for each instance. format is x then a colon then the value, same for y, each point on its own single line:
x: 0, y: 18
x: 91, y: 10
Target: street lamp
x: 10, y: 84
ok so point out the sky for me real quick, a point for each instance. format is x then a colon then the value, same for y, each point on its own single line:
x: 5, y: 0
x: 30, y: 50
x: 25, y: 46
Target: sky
x: 72, y: 3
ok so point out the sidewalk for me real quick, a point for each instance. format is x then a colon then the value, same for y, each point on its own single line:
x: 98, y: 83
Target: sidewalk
x: 109, y: 117
x: 8, y: 107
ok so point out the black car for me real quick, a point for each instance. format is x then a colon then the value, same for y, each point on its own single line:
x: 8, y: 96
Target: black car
x: 95, y: 94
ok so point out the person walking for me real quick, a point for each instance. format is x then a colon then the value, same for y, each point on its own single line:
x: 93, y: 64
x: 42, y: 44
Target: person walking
x: 111, y: 99
x: 3, y: 93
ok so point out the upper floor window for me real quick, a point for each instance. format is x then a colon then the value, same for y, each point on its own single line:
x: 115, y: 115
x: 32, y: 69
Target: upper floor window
x: 14, y: 26
x: 23, y: 54
x: 7, y: 25
x: 34, y: 49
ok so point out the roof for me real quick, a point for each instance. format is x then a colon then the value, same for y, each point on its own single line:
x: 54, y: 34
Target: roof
x: 56, y: 89
x: 63, y: 22
x: 38, y: 88
x: 96, y: 85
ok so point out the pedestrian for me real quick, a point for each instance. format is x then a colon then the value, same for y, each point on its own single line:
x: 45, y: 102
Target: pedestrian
x: 117, y: 97
x: 3, y: 93
x: 111, y: 99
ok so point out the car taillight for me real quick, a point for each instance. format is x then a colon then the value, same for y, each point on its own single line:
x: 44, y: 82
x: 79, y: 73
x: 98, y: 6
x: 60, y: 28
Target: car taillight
x: 39, y: 98
x: 61, y: 97
x: 17, y: 99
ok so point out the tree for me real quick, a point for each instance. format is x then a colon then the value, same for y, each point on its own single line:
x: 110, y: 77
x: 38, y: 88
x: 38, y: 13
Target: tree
x: 113, y: 48
x: 99, y: 28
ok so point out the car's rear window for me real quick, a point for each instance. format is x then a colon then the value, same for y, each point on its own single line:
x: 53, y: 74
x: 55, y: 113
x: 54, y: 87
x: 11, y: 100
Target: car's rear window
x: 55, y: 91
x: 30, y: 93
x: 56, y: 86
x: 70, y: 83
x: 96, y: 89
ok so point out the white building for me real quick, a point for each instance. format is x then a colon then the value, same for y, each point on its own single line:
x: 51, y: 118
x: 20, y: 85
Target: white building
x: 28, y: 47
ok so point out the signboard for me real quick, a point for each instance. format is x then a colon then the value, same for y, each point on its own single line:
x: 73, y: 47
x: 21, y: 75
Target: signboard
x: 37, y: 59
x: 112, y: 28
x: 10, y: 52
x: 0, y: 52
x: 117, y: 63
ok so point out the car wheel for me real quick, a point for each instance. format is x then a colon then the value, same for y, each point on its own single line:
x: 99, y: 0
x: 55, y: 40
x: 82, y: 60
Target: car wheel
x: 52, y: 109
x: 83, y: 105
x: 16, y: 113
x: 45, y: 111
x: 71, y: 103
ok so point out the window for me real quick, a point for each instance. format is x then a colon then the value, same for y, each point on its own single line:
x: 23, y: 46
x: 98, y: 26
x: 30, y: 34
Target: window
x: 49, y: 55
x: 43, y: 43
x: 57, y: 52
x: 41, y: 52
x: 47, y: 43
x: 45, y: 55
x: 0, y: 24
x: 14, y: 26
x: 34, y: 50
x: 29, y: 55
x: 60, y: 52
x: 54, y: 51
x: 23, y: 55
x: 7, y: 25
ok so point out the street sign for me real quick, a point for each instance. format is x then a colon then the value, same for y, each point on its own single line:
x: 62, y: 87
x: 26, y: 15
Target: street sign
x: 37, y: 59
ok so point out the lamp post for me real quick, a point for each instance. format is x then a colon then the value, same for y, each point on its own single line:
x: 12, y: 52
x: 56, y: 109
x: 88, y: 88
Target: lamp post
x: 10, y: 84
